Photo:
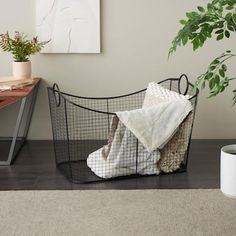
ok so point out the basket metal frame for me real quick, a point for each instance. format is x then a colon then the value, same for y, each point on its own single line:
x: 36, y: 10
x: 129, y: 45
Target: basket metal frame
x: 61, y: 98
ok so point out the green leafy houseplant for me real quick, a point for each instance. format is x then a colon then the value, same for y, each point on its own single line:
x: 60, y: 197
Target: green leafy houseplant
x: 219, y: 19
x: 20, y: 47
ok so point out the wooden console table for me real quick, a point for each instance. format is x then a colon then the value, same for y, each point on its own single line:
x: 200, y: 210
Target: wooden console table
x: 26, y: 96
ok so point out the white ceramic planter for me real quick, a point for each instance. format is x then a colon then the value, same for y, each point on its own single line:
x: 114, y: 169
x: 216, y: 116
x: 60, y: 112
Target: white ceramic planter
x: 228, y: 171
x: 21, y: 70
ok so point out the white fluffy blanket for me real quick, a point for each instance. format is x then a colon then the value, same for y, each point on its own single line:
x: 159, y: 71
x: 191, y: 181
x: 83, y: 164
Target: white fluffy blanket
x: 154, y: 126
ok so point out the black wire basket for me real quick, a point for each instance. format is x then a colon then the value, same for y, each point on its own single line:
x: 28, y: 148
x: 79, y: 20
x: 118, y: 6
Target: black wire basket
x: 82, y: 125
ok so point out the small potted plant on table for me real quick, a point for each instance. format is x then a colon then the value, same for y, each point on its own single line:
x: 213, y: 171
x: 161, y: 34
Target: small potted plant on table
x: 21, y: 48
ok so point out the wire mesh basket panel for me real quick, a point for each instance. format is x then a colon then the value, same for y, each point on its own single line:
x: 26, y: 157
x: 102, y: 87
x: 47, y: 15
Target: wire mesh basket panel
x: 82, y: 125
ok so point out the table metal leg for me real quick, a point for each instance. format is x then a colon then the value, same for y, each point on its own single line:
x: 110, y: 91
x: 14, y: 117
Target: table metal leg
x: 30, y: 110
x: 26, y: 108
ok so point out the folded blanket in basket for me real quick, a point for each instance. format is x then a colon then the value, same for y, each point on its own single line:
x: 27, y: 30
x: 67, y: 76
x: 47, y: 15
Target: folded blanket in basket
x: 143, y: 132
x: 173, y: 153
x: 154, y: 126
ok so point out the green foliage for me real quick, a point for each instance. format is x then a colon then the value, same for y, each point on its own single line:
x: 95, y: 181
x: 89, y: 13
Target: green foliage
x: 215, y: 76
x: 20, y: 47
x: 217, y: 20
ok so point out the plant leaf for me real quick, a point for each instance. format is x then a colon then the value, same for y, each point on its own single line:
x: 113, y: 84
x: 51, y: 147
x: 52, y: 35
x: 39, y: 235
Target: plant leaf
x: 182, y: 22
x: 222, y: 73
x: 201, y: 9
x: 220, y: 36
x: 227, y: 33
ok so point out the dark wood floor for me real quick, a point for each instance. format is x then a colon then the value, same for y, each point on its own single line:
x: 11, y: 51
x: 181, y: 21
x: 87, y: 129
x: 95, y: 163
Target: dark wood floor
x: 34, y: 169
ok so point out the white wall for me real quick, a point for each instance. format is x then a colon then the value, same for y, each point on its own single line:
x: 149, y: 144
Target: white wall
x: 136, y: 36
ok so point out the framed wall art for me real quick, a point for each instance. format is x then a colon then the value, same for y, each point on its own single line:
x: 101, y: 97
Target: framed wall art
x: 72, y: 26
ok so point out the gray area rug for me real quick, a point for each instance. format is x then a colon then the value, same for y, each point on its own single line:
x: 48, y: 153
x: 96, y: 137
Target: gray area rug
x: 115, y: 212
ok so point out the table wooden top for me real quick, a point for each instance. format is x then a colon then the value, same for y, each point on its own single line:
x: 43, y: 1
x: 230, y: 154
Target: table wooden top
x: 11, y: 96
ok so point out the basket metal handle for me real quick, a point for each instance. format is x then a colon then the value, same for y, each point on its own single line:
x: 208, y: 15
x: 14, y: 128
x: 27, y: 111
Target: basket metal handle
x: 55, y: 89
x: 181, y: 78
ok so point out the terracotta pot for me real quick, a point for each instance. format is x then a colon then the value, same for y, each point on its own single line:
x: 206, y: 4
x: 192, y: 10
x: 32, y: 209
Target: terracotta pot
x: 21, y: 70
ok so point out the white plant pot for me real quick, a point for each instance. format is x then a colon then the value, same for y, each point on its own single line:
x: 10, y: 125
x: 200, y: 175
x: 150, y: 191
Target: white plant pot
x: 228, y: 171
x: 21, y: 70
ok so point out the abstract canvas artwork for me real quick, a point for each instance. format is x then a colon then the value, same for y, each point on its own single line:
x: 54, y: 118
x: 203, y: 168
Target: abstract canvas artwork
x: 72, y: 26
